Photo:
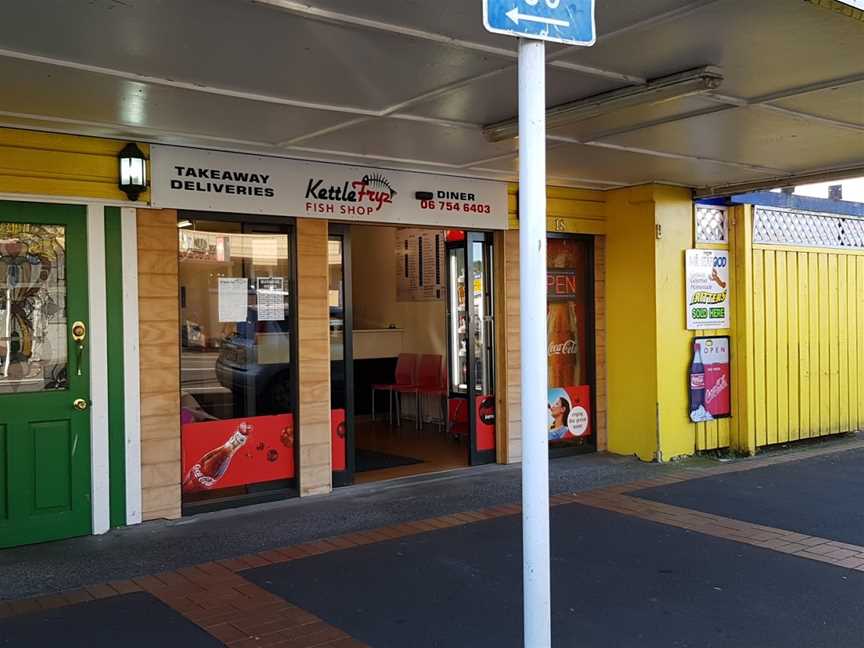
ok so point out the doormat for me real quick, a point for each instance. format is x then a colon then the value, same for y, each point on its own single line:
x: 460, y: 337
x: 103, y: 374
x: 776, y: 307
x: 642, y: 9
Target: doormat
x: 367, y: 460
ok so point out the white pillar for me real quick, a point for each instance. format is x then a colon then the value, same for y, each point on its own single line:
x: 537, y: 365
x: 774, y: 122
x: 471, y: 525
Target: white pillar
x: 532, y: 320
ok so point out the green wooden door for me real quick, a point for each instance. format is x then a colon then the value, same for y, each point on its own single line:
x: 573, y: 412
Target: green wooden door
x: 44, y: 439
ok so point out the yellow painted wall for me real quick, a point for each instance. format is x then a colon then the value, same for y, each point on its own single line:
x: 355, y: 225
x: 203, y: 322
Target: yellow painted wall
x: 49, y: 164
x: 673, y: 213
x: 631, y: 322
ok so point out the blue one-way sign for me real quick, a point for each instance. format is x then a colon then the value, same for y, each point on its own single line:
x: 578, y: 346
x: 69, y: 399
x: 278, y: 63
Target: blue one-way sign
x: 562, y: 21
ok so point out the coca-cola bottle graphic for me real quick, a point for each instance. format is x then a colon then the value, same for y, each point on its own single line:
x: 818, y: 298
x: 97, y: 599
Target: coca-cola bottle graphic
x: 564, y: 357
x: 213, y: 465
x: 697, y: 385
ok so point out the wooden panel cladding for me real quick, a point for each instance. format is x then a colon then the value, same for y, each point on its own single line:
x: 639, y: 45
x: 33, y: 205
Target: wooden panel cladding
x: 61, y: 165
x: 600, y: 340
x: 160, y: 363
x: 508, y: 362
x: 573, y: 211
x: 807, y: 343
x: 314, y: 362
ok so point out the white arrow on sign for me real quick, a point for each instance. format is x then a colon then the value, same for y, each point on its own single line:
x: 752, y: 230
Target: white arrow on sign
x: 515, y: 16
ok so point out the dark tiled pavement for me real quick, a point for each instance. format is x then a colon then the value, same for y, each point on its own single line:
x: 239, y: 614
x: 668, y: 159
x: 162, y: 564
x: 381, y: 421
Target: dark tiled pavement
x: 161, y: 546
x: 132, y: 621
x: 617, y: 581
x: 822, y: 496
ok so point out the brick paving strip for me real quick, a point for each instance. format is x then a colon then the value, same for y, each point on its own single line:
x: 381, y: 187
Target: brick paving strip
x: 216, y: 597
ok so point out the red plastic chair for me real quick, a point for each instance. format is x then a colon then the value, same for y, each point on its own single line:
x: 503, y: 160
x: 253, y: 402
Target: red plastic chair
x: 406, y: 367
x: 430, y: 375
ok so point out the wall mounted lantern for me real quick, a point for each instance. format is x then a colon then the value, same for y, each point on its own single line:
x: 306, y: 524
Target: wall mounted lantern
x: 133, y: 171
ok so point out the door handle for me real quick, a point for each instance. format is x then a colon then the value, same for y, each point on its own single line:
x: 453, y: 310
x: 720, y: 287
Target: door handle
x: 79, y: 335
x: 80, y: 404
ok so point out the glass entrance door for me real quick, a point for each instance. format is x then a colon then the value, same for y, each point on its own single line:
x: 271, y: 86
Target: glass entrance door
x: 341, y: 354
x: 471, y: 331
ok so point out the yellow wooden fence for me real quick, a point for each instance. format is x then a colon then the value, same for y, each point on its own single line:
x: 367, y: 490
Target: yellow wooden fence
x: 797, y: 342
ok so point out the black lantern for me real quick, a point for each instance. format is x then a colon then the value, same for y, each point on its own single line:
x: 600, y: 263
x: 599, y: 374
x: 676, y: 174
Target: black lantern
x: 133, y: 171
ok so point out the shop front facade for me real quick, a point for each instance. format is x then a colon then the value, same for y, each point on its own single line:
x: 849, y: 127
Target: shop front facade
x: 245, y: 321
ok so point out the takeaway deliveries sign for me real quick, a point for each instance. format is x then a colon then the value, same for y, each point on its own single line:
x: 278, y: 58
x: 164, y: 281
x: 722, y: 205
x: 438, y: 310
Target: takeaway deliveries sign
x: 707, y: 289
x: 228, y: 182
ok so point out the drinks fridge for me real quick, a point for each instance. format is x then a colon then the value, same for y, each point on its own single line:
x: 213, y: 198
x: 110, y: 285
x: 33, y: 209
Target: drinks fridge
x: 471, y: 338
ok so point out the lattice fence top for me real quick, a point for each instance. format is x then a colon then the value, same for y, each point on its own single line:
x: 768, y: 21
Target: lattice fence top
x: 712, y: 224
x: 779, y: 226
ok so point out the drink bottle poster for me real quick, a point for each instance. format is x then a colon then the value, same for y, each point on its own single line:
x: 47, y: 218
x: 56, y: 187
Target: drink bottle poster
x: 257, y: 449
x: 707, y: 289
x: 710, y: 379
x: 569, y: 413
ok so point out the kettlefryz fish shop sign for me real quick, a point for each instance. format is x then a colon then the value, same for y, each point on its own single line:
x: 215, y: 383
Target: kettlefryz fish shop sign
x: 235, y: 183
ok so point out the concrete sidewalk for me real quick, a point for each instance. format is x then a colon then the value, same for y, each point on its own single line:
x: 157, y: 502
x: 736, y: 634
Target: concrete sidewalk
x: 632, y: 564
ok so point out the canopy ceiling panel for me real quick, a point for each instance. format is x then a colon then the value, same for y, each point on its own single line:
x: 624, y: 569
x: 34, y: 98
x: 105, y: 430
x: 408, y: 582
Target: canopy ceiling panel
x: 409, y: 84
x: 132, y: 103
x: 595, y: 163
x: 763, y: 46
x: 760, y: 137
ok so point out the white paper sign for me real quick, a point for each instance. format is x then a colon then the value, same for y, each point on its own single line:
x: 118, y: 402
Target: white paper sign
x: 707, y: 289
x: 230, y: 182
x: 271, y: 299
x: 233, y: 299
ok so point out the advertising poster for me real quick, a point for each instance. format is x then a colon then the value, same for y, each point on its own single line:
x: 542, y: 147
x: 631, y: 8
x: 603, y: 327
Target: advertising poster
x: 569, y: 413
x: 237, y: 452
x: 567, y: 311
x: 710, y: 382
x: 707, y: 289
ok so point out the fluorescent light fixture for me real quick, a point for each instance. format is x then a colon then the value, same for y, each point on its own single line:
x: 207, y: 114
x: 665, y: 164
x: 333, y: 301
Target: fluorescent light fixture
x: 675, y: 86
x: 182, y: 224
x: 851, y: 8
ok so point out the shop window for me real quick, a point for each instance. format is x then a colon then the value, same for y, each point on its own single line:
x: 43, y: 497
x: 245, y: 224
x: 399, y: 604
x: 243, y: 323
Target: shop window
x: 569, y: 318
x: 237, y: 372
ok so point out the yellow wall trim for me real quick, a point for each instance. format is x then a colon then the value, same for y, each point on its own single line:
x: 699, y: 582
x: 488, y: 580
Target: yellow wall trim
x: 50, y: 164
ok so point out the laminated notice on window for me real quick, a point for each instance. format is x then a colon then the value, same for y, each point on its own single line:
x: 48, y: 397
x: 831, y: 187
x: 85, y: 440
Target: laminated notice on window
x: 233, y: 299
x: 271, y: 299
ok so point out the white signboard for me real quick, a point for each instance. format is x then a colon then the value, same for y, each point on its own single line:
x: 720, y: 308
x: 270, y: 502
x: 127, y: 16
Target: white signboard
x: 271, y: 299
x: 707, y: 289
x: 228, y: 182
x: 420, y: 267
x: 233, y: 299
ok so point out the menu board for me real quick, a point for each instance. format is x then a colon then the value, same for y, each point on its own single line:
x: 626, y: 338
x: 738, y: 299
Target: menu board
x: 420, y: 271
x: 271, y: 299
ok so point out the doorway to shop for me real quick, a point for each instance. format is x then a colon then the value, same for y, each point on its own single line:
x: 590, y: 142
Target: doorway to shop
x: 237, y: 360
x: 571, y: 344
x: 412, y: 351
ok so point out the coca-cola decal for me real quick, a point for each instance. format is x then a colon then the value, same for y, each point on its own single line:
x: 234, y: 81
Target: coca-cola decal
x: 709, y: 377
x: 237, y: 452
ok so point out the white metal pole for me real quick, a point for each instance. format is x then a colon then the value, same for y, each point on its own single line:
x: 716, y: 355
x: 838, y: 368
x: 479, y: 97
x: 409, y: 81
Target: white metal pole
x: 532, y: 321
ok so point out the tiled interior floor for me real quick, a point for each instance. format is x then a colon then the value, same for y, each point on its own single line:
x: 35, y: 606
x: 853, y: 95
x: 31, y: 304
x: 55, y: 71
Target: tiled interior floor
x: 432, y: 445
